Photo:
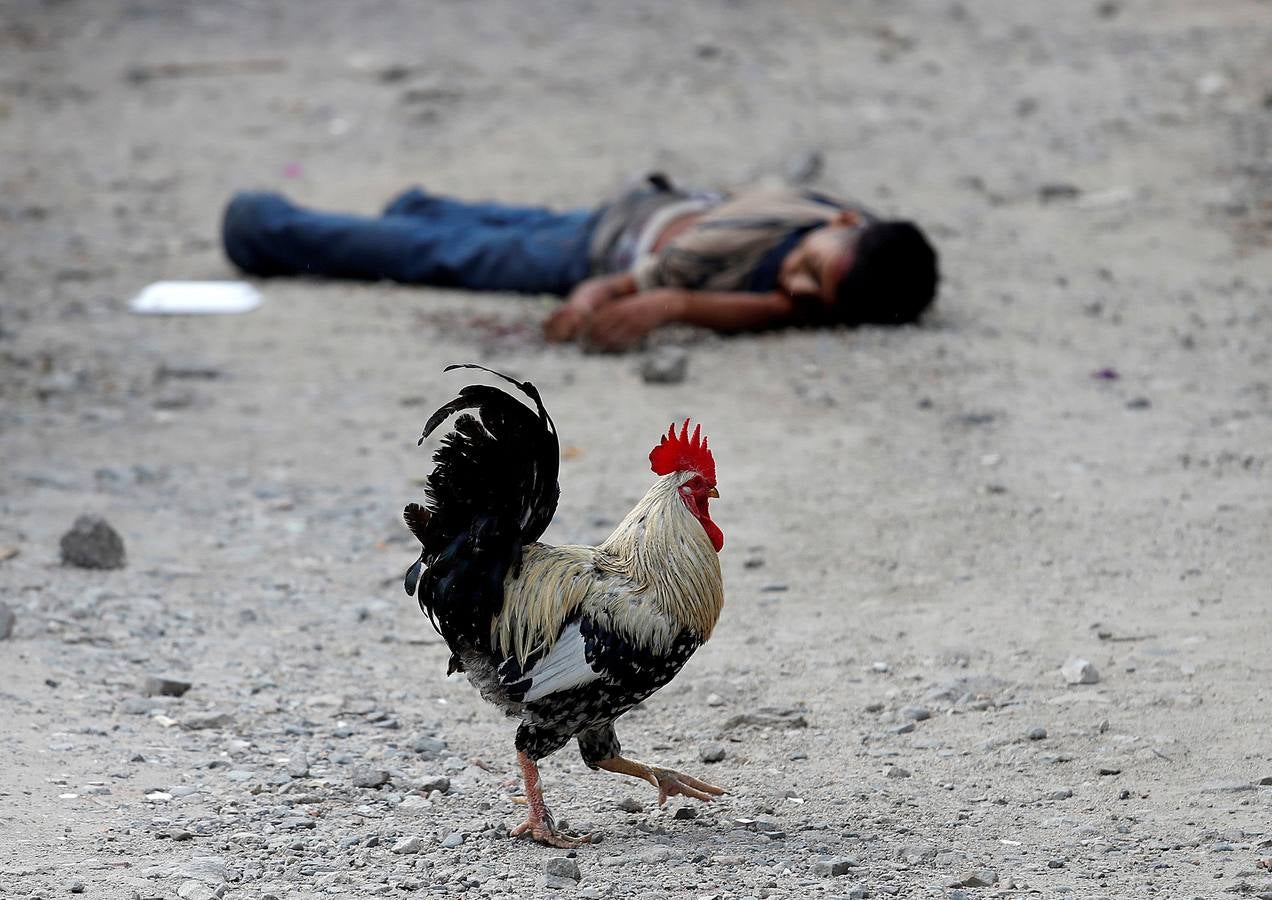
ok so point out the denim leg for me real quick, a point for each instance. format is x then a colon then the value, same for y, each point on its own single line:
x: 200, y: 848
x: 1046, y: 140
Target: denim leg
x: 421, y: 204
x: 536, y: 252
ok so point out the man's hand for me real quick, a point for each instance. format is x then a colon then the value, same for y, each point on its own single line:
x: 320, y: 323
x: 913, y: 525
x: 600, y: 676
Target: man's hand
x: 565, y: 322
x: 621, y: 325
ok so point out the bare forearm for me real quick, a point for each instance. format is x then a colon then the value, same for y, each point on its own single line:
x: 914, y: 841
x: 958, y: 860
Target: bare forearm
x: 729, y: 310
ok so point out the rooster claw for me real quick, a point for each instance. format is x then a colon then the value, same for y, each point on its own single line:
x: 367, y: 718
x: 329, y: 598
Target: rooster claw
x: 546, y: 833
x: 671, y: 783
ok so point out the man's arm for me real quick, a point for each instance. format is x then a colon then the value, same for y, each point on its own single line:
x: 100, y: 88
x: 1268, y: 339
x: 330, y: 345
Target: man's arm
x: 618, y: 325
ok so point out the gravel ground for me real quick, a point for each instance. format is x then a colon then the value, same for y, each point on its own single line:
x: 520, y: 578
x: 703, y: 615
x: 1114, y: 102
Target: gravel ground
x: 998, y: 617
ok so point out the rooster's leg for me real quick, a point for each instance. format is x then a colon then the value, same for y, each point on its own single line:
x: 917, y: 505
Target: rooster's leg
x: 538, y: 823
x: 669, y: 782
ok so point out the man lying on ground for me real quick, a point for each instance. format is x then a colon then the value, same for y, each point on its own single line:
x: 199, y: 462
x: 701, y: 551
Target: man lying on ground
x: 656, y: 254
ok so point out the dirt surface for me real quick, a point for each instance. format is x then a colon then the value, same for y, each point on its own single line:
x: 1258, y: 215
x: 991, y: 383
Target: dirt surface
x: 1069, y: 459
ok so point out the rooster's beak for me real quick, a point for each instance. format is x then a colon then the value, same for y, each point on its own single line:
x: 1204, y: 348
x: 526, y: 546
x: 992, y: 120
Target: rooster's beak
x: 713, y: 493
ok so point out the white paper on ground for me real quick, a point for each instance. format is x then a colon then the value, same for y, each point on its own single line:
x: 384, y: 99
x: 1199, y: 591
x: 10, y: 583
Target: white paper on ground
x: 196, y: 298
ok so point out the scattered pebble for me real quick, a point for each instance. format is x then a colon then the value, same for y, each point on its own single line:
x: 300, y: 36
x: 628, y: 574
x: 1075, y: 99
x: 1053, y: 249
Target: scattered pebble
x: 195, y: 890
x: 1060, y: 794
x: 7, y: 621
x: 432, y: 783
x: 685, y: 812
x: 164, y: 686
x: 203, y: 721
x: 429, y: 747
x: 93, y: 544
x: 898, y: 772
x: 915, y: 713
x: 712, y: 753
x: 298, y: 764
x: 665, y: 365
x: 453, y: 840
x: 407, y: 845
x: 978, y: 878
x: 630, y: 805
x: 1079, y: 671
x: 561, y: 872
x: 369, y: 778
x: 1037, y: 733
x: 835, y: 865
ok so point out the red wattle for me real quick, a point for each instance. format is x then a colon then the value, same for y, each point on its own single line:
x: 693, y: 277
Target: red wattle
x: 714, y: 533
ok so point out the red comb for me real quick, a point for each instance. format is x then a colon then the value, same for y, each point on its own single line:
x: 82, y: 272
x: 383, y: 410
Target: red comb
x: 682, y: 453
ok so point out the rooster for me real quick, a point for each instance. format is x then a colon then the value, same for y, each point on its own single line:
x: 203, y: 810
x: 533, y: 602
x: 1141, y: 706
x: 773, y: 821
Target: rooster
x: 565, y: 638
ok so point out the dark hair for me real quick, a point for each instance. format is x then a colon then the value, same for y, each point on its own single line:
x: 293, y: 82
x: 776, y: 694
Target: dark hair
x: 892, y: 278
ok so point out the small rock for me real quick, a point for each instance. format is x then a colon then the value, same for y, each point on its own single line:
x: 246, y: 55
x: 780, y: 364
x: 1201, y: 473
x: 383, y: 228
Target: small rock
x: 561, y: 872
x: 298, y: 764
x: 711, y: 753
x: 407, y: 845
x: 685, y: 812
x: 208, y: 869
x: 666, y: 365
x: 628, y: 804
x: 915, y: 713
x: 1049, y: 193
x: 453, y: 840
x: 179, y: 834
x: 429, y: 747
x: 201, y: 721
x: 93, y: 544
x: 435, y: 783
x: 369, y: 778
x: 715, y: 700
x: 164, y: 686
x: 898, y: 772
x: 979, y: 878
x: 835, y: 865
x: 7, y: 620
x: 1037, y: 733
x: 1110, y: 770
x: 76, y: 887
x: 1139, y: 403
x: 903, y: 728
x: 1079, y: 671
x: 1266, y: 781
x: 1060, y: 794
x: 195, y: 890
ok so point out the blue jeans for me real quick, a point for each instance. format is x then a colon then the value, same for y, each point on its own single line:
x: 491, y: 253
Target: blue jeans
x: 418, y: 239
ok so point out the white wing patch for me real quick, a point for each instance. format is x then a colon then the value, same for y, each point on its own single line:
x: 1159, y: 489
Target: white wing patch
x: 563, y: 668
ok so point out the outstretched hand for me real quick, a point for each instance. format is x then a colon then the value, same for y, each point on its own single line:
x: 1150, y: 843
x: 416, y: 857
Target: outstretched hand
x: 621, y: 325
x: 566, y: 321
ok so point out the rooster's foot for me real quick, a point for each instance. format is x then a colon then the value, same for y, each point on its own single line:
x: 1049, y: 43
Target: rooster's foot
x: 669, y: 782
x: 545, y: 832
x: 538, y: 824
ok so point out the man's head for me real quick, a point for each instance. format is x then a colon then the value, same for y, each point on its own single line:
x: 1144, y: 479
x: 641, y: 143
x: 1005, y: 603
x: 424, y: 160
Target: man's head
x: 856, y: 272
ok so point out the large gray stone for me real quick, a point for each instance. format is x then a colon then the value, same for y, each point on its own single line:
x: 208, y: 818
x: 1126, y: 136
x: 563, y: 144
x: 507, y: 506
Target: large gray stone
x: 93, y: 544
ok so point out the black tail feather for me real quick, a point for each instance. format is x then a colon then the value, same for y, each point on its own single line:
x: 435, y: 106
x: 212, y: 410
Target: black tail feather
x: 493, y: 490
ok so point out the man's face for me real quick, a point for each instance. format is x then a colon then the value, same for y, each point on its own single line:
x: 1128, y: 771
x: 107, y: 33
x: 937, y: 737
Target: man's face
x: 819, y: 262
